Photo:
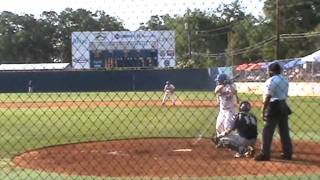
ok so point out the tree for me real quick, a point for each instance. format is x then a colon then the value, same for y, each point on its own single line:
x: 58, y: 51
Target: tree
x: 107, y: 22
x: 49, y: 21
x: 232, y: 12
x: 156, y: 22
x: 7, y: 38
x: 25, y: 39
x: 82, y: 20
x: 295, y: 17
x: 192, y: 34
x: 253, y: 41
x: 224, y: 36
x: 242, y: 31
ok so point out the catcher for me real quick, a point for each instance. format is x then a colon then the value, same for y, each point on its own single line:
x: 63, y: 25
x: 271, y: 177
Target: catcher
x: 242, y: 137
x: 169, y: 93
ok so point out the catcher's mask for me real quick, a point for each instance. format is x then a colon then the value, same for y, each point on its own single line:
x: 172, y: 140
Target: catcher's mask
x: 245, y: 106
x: 222, y: 79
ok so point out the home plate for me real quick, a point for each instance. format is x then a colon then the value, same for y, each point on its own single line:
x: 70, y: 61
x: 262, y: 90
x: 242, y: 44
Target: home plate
x: 182, y: 150
x: 118, y: 153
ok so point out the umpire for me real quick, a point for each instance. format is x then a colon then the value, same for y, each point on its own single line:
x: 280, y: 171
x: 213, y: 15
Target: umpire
x: 275, y: 112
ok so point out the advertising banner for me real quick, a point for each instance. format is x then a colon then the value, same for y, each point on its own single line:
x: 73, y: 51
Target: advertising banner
x: 123, y: 49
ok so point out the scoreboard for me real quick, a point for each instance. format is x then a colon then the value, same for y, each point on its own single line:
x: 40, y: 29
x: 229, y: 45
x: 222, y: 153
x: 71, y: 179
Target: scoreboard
x: 112, y: 49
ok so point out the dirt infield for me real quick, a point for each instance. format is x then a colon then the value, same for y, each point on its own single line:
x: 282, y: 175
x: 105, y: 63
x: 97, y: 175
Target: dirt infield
x: 163, y: 158
x: 122, y: 103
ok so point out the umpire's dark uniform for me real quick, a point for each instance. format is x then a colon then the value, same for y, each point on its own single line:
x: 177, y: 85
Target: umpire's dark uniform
x: 275, y: 113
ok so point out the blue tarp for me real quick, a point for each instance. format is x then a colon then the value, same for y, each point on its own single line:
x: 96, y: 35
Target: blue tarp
x: 293, y: 63
x: 226, y: 70
x: 266, y: 65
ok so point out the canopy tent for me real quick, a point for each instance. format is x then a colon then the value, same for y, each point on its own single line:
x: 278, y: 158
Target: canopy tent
x: 293, y: 63
x: 242, y: 67
x: 254, y: 66
x: 314, y: 57
x: 266, y: 65
x: 314, y: 60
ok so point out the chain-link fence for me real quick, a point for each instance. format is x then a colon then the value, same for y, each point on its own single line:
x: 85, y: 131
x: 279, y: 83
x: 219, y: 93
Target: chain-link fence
x: 195, y: 95
x: 138, y: 134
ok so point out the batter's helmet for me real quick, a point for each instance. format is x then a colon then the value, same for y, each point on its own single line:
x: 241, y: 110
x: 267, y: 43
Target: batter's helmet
x: 245, y: 106
x: 222, y: 78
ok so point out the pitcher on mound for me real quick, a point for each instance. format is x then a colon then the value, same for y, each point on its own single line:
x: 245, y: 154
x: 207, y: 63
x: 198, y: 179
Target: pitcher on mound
x: 169, y: 93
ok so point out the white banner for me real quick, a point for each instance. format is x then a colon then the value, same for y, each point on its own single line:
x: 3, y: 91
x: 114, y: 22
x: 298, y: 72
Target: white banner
x: 295, y: 88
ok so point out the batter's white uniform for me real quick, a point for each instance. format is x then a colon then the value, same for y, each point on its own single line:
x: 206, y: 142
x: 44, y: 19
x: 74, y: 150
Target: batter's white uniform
x: 227, y: 100
x: 169, y: 93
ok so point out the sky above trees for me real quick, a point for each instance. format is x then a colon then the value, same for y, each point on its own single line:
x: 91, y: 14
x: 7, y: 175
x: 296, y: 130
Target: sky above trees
x: 225, y: 35
x: 131, y: 12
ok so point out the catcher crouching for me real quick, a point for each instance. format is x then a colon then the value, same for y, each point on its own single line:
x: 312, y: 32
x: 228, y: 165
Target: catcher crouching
x: 242, y: 137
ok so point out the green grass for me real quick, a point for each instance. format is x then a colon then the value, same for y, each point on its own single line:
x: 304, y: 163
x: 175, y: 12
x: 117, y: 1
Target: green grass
x: 28, y: 129
x: 99, y: 96
x: 25, y: 174
x: 24, y: 129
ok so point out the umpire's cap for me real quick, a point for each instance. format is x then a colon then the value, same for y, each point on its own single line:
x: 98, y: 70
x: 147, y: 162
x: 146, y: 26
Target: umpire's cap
x: 275, y: 67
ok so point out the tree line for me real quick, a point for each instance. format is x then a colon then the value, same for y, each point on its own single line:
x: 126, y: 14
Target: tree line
x: 227, y: 35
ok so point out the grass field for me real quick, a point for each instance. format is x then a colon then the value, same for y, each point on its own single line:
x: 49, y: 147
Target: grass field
x: 25, y: 129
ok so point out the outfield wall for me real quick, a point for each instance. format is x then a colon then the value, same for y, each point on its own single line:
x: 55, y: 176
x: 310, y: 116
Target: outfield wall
x: 295, y: 88
x: 90, y: 81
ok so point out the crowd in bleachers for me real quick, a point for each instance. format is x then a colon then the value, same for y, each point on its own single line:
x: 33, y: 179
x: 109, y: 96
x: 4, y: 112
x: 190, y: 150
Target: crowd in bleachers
x: 303, y: 69
x: 309, y: 72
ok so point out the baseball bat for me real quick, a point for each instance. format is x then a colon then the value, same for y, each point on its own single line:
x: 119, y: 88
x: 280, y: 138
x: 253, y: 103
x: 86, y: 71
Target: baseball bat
x: 199, y: 137
x: 234, y: 78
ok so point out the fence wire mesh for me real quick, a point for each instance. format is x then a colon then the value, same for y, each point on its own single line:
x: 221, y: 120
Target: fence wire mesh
x: 178, y: 96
